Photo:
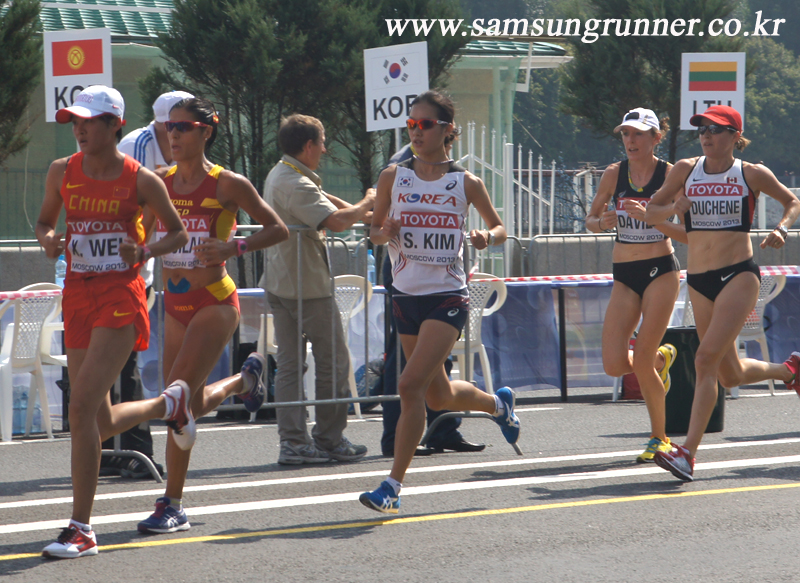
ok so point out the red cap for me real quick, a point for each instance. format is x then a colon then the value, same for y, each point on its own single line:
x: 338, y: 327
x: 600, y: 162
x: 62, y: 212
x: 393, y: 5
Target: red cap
x: 719, y: 114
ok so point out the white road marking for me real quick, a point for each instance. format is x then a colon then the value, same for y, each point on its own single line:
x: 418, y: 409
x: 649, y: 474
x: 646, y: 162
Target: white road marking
x: 382, y: 472
x: 410, y: 491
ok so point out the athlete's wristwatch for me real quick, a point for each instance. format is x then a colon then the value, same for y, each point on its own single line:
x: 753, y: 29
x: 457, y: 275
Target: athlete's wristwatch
x: 784, y: 232
x: 146, y: 253
x: 489, y: 238
x: 241, y: 247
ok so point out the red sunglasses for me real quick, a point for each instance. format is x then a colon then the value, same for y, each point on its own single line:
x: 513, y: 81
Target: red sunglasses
x: 424, y: 124
x: 184, y: 126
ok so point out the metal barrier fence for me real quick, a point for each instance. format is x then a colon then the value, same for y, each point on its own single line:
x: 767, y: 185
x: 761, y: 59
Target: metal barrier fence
x: 248, y: 271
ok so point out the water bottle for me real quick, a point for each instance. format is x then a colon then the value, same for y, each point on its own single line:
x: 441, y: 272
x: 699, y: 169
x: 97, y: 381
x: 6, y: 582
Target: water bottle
x: 370, y: 267
x: 61, y: 270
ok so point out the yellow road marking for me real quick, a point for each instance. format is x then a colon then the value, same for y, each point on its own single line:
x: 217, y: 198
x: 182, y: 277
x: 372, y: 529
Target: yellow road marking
x: 414, y: 519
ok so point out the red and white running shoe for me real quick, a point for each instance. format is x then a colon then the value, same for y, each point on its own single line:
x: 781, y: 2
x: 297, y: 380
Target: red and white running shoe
x: 793, y: 364
x: 71, y: 544
x: 181, y: 421
x: 678, y: 461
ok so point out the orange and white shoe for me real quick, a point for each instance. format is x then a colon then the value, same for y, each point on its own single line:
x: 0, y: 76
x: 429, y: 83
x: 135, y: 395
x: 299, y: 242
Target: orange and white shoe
x: 181, y: 420
x: 71, y: 544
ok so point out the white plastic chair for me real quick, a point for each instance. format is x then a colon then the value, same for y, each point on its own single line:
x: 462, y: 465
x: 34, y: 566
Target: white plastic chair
x: 351, y: 293
x: 21, y: 353
x: 753, y: 329
x: 481, y: 288
x: 266, y: 345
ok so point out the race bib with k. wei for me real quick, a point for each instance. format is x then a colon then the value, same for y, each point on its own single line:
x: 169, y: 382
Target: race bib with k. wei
x: 94, y: 246
x: 715, y: 206
x: 429, y: 237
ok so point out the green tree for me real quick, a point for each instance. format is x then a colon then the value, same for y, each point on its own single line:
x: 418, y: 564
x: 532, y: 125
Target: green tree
x: 788, y: 10
x: 772, y: 107
x: 227, y: 52
x: 617, y: 73
x: 20, y: 68
x: 367, y: 149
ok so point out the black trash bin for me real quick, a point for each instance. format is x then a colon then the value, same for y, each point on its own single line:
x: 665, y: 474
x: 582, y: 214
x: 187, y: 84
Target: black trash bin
x: 680, y: 397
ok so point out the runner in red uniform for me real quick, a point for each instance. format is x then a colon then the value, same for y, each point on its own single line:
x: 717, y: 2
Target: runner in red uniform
x: 104, y: 304
x: 200, y: 298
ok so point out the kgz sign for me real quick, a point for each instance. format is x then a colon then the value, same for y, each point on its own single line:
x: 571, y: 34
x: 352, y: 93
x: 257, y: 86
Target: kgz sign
x: 73, y: 60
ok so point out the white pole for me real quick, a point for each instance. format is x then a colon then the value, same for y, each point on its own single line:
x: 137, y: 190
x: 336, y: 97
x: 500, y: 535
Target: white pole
x: 508, y: 199
x: 762, y: 212
x: 530, y: 194
x: 552, y: 194
x: 398, y: 139
x: 519, y: 181
x: 541, y: 220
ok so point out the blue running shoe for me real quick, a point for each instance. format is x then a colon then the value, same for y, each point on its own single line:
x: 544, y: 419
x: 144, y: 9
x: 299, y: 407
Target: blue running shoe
x: 508, y: 420
x: 165, y: 519
x: 383, y: 499
x: 254, y: 366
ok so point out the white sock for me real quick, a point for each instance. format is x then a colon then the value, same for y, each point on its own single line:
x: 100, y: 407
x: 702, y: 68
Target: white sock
x: 247, y: 383
x: 176, y: 503
x: 83, y: 527
x: 396, y: 486
x: 500, y: 407
x: 170, y: 399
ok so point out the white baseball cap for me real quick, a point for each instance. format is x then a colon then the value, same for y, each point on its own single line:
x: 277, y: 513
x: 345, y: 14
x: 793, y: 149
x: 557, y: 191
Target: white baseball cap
x: 641, y: 119
x: 94, y: 101
x: 166, y: 101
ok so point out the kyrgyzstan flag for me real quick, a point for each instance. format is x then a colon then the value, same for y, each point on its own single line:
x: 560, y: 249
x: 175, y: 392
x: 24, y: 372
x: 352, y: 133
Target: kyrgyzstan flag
x: 78, y: 57
x: 712, y: 76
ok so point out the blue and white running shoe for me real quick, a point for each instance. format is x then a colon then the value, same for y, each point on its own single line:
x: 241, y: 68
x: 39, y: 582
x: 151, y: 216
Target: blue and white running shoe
x: 508, y: 420
x: 383, y: 499
x: 165, y: 519
x: 254, y: 366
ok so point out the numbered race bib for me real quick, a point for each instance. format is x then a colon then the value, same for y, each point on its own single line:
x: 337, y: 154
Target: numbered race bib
x: 94, y: 246
x: 184, y: 258
x: 630, y: 230
x: 716, y: 206
x: 432, y: 238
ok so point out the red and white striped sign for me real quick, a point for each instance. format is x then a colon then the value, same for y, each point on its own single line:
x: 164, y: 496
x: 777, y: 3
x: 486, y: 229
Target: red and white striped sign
x: 40, y: 293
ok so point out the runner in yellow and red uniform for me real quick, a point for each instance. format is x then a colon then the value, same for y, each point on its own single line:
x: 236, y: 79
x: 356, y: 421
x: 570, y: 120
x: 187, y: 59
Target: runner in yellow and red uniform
x: 200, y: 298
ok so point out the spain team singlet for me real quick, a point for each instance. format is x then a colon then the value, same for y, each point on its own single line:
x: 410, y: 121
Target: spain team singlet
x: 720, y: 202
x: 202, y: 215
x: 100, y: 214
x: 428, y: 255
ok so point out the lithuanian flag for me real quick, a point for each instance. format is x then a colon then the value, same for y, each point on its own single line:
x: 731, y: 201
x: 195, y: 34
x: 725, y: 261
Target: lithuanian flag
x: 712, y: 76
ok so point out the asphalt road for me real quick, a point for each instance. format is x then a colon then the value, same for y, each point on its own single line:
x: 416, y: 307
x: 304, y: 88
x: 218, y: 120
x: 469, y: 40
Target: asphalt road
x: 574, y: 507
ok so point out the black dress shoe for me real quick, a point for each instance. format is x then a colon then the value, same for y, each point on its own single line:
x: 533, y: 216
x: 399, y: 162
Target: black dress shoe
x: 459, y: 444
x: 420, y: 451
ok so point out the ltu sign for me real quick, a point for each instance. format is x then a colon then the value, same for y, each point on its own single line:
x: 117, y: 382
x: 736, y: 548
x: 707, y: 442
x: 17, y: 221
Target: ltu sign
x: 711, y: 79
x: 73, y: 60
x: 393, y: 77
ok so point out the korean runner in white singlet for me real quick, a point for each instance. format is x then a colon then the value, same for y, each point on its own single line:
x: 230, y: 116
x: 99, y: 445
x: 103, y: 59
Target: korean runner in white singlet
x: 716, y: 194
x: 420, y: 211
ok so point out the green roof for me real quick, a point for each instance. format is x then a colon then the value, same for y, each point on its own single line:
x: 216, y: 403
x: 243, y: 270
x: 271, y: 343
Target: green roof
x: 129, y: 20
x: 142, y: 20
x: 485, y: 48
